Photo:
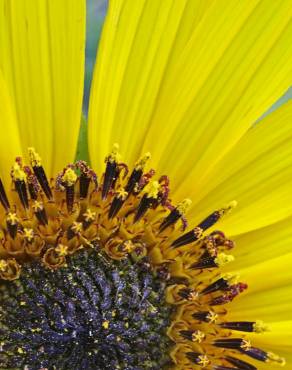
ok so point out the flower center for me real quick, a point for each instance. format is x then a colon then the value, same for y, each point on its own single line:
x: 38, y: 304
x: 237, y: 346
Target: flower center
x: 87, y: 315
x: 102, y: 275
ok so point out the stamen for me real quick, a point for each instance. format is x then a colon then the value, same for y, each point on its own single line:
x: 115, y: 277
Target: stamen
x: 117, y: 203
x: 188, y: 294
x: 193, y: 335
x: 239, y: 363
x: 3, y: 197
x: 87, y: 174
x: 206, y: 316
x: 196, y: 233
x: 148, y: 200
x: 246, y: 326
x: 40, y: 213
x: 206, y: 261
x: 175, y: 214
x: 111, y: 170
x: 233, y: 343
x: 39, y: 171
x: 69, y: 179
x: 19, y: 178
x: 137, y: 173
x: 12, y: 224
x: 198, y: 358
x: 220, y: 284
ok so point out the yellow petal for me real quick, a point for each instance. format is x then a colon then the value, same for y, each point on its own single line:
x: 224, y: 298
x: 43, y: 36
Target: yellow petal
x: 141, y: 41
x: 263, y: 244
x: 9, y: 139
x: 187, y: 104
x: 257, y: 174
x: 42, y: 58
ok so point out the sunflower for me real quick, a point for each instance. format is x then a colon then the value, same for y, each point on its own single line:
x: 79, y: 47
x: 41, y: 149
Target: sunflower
x: 175, y: 252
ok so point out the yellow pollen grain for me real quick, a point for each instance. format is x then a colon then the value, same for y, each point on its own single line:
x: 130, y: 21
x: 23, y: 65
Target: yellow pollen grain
x: 212, y: 317
x: 153, y: 189
x: 62, y: 250
x: 275, y: 358
x: 198, y: 336
x: 28, y: 234
x: 203, y: 360
x: 114, y: 156
x: 246, y: 345
x: 260, y: 327
x: 76, y: 227
x: 3, y: 265
x: 122, y: 194
x: 140, y: 164
x: 20, y: 350
x: 184, y: 206
x: 17, y: 173
x: 12, y: 218
x: 34, y: 157
x: 89, y: 215
x: 69, y: 177
x: 37, y: 206
x: 222, y: 259
x: 231, y: 278
x: 193, y: 295
x: 105, y: 324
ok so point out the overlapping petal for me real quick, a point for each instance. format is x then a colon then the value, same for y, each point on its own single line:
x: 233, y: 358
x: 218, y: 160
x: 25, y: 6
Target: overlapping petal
x: 42, y: 58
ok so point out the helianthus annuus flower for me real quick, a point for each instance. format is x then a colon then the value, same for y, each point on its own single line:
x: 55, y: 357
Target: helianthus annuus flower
x: 112, y: 266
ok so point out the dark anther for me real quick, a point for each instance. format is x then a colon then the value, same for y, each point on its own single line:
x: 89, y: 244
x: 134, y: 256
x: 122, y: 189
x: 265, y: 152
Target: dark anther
x: 188, y: 238
x: 32, y: 191
x: 41, y: 215
x: 257, y: 354
x: 210, y: 220
x: 3, y: 197
x: 84, y: 182
x: 20, y: 187
x: 202, y: 316
x: 12, y: 228
x: 42, y: 179
x: 70, y: 193
x: 109, y: 177
x: 133, y: 180
x: 171, y: 219
x: 231, y: 343
x: 204, y: 262
x: 240, y: 364
x: 246, y: 326
x: 116, y: 205
x: 220, y: 284
x: 144, y: 205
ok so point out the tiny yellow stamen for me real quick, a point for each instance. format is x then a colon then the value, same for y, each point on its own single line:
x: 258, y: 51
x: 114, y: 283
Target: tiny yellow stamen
x: 212, y: 317
x: 228, y: 208
x: 203, y: 360
x: 69, y: 177
x: 34, y: 157
x: 231, y: 278
x: 246, y: 345
x: 114, y: 155
x: 17, y: 173
x: 260, y: 327
x: 140, y: 164
x: 3, y: 265
x: 222, y: 259
x: 37, y: 206
x: 153, y: 189
x: 28, y: 234
x: 275, y: 358
x: 105, y: 324
x: 122, y: 194
x: 89, y: 215
x: 198, y: 336
x: 12, y: 218
x: 62, y: 250
x: 76, y: 227
x: 184, y: 206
